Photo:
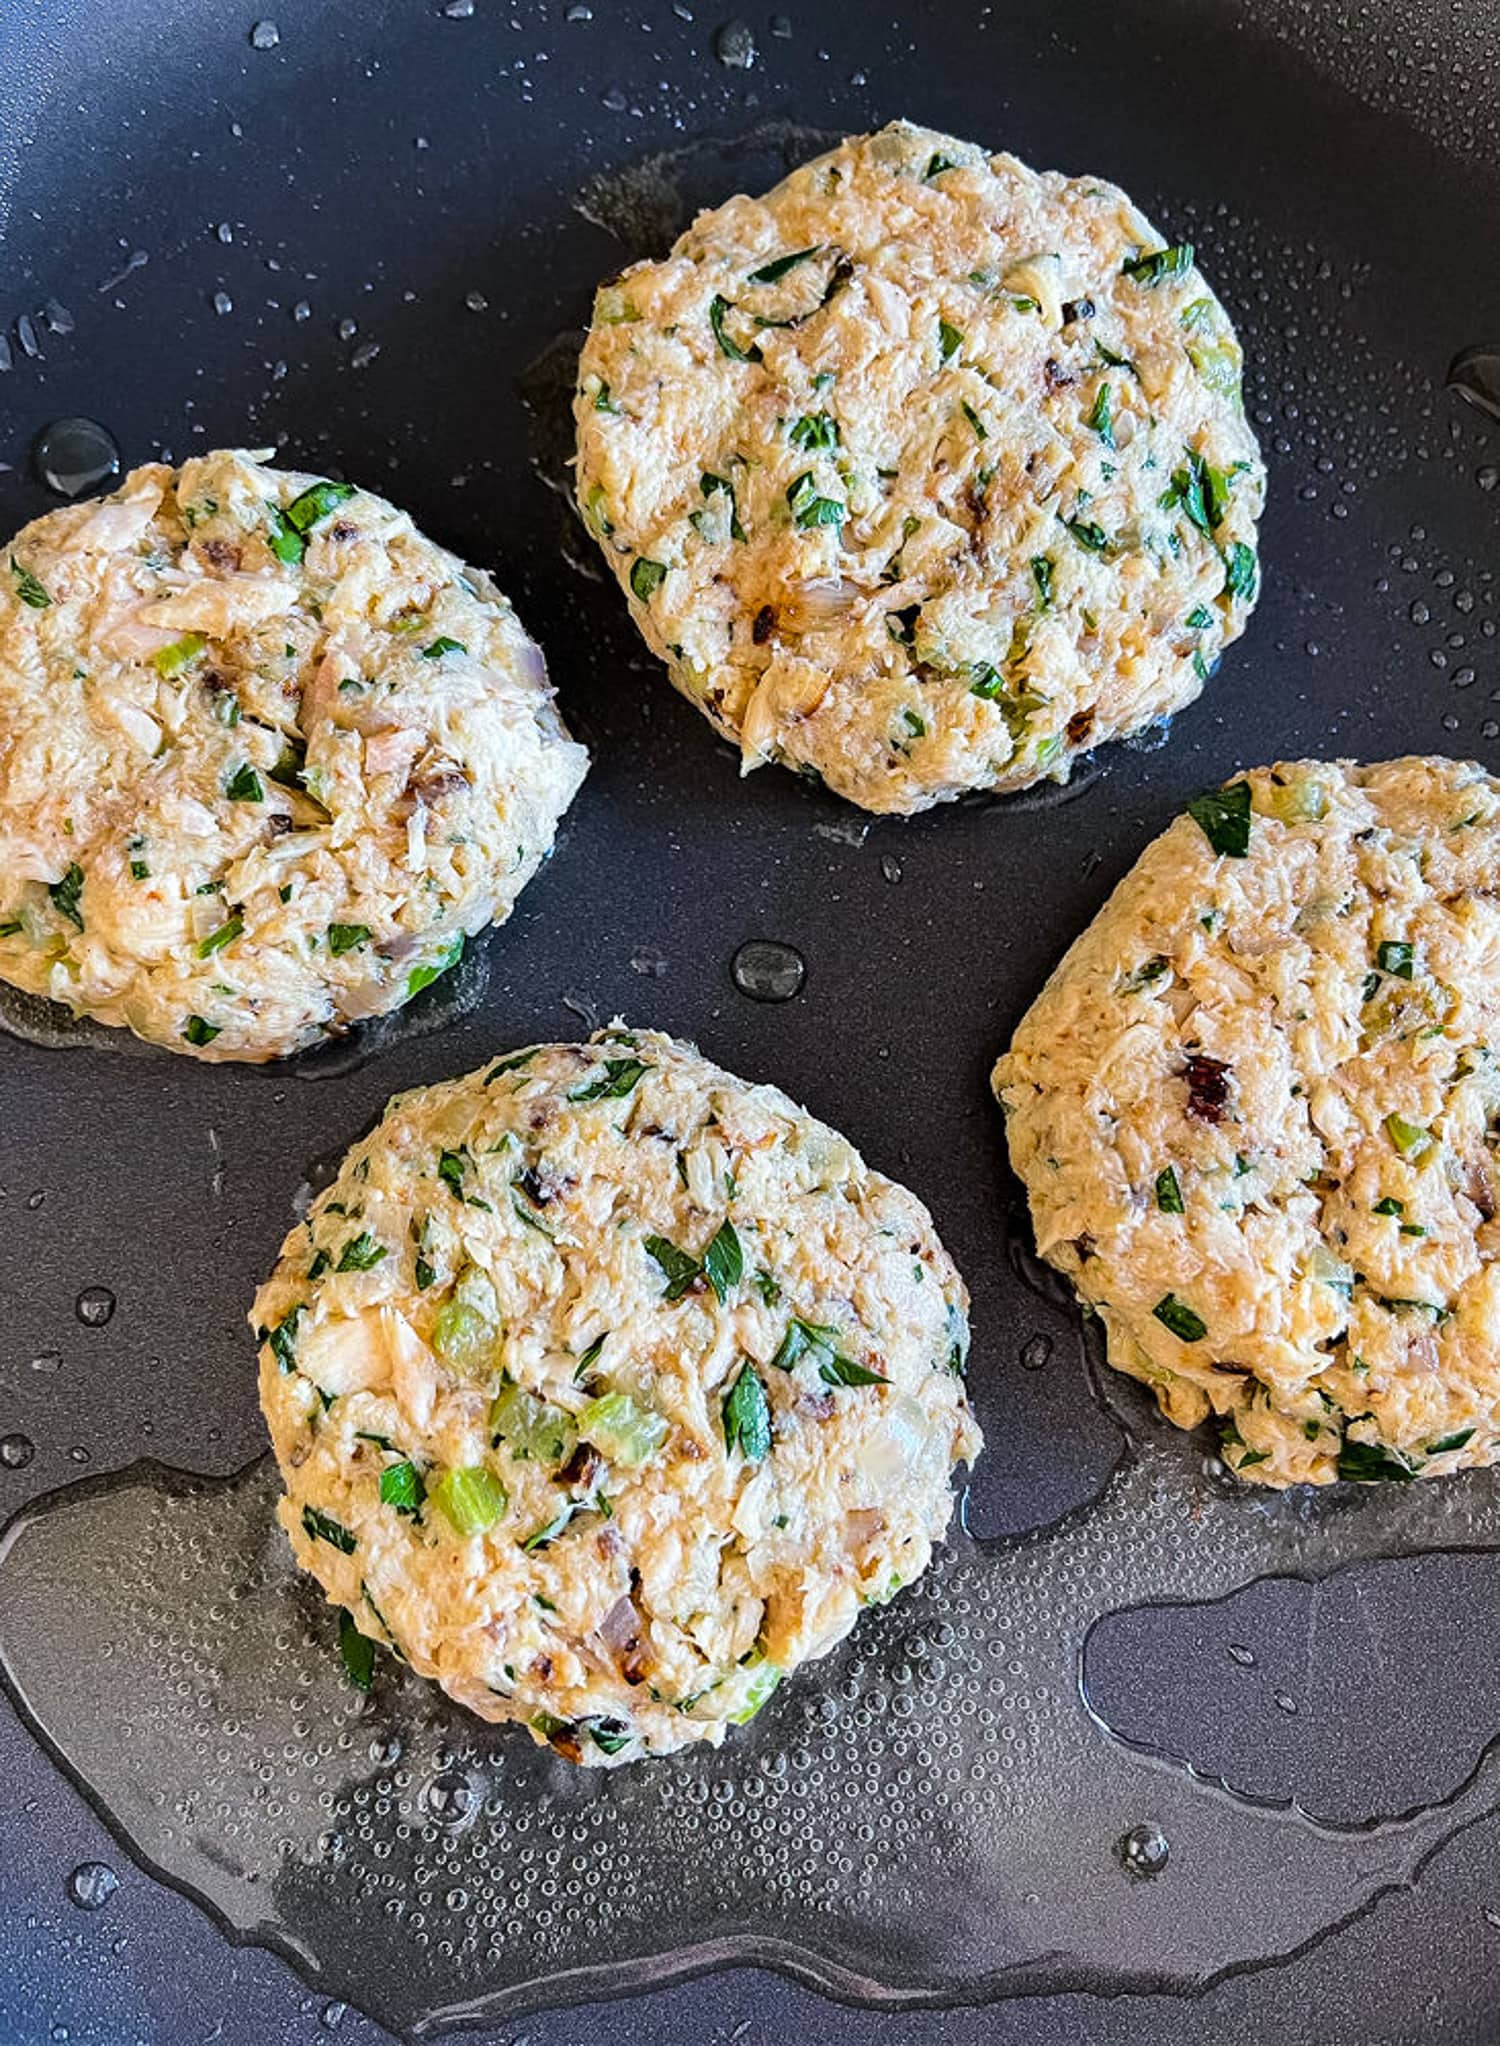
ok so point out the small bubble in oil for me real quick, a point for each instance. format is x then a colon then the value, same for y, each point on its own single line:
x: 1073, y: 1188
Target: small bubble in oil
x: 47, y: 1360
x: 1144, y: 1850
x: 16, y: 1451
x: 1474, y: 375
x: 890, y: 867
x: 92, y: 1884
x: 265, y: 35
x: 1245, y: 1657
x: 94, y: 1306
x: 1036, y: 1352
x: 75, y: 455
x: 768, y: 971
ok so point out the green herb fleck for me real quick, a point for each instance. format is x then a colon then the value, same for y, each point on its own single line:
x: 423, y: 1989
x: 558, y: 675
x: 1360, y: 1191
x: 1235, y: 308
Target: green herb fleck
x: 358, y: 1651
x: 224, y: 935
x: 315, y: 503
x: 28, y: 589
x: 443, y: 645
x: 950, y: 340
x: 1176, y: 1315
x: 66, y: 892
x: 718, y: 307
x: 1152, y: 265
x: 1371, y: 1463
x: 1102, y: 418
x: 344, y: 938
x: 679, y: 1268
x: 360, y: 1254
x: 747, y: 1418
x: 724, y: 1261
x: 401, y: 1486
x: 646, y: 578
x: 244, y: 785
x: 322, y: 1527
x: 1168, y: 1192
x: 1394, y: 956
x: 817, y: 433
x: 777, y: 268
x: 1239, y: 571
x: 1224, y: 817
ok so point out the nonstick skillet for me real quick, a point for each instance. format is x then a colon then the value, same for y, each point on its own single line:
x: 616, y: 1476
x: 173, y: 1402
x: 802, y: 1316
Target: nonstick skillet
x: 369, y: 236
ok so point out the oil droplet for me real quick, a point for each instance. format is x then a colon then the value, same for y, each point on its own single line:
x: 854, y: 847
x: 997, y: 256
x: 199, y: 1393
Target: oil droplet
x: 92, y: 1884
x: 890, y: 867
x: 47, y: 1360
x: 16, y: 1451
x: 476, y: 302
x: 614, y: 100
x: 265, y: 35
x: 332, y: 2016
x: 734, y: 45
x: 1487, y: 477
x: 1036, y: 1352
x: 1474, y: 374
x: 647, y: 961
x: 75, y: 455
x: 94, y: 1306
x: 458, y: 10
x: 1242, y: 1655
x: 1286, y: 1704
x: 450, y: 1798
x: 1144, y: 1850
x: 223, y: 303
x: 579, y: 13
x: 768, y: 971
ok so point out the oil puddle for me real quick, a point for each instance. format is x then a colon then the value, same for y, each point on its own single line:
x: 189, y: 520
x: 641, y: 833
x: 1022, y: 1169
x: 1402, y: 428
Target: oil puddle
x: 647, y: 202
x: 936, y: 1812
x: 1356, y: 1697
x: 458, y: 992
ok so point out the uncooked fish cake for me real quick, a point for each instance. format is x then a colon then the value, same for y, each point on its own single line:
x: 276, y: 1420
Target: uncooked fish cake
x: 1256, y: 1109
x: 267, y: 757
x: 608, y: 1389
x: 924, y: 473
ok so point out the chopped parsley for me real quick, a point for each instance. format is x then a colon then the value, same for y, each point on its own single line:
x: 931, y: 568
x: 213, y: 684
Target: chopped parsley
x: 815, y: 432
x: 358, y: 1651
x: 1371, y: 1463
x: 443, y: 645
x: 747, y: 1418
x: 197, y: 1031
x: 244, y: 785
x: 718, y: 307
x: 808, y: 508
x: 401, y: 1486
x: 613, y: 1084
x: 679, y: 1267
x: 1224, y: 817
x: 777, y: 268
x: 1394, y: 956
x: 1092, y: 538
x: 724, y: 1261
x: 424, y: 976
x: 1240, y: 571
x: 708, y: 484
x: 347, y: 938
x: 285, y: 542
x: 360, y: 1254
x: 1168, y: 1192
x: 315, y: 503
x: 28, y: 589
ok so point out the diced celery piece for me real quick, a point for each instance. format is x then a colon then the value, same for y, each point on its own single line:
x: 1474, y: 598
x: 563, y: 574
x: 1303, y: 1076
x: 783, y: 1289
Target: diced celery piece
x: 463, y: 1337
x: 763, y: 1682
x: 621, y: 1430
x: 531, y: 1428
x: 472, y: 1499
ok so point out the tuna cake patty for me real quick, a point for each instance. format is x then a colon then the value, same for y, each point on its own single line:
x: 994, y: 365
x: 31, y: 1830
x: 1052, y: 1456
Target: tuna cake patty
x: 607, y: 1389
x: 1256, y: 1110
x: 267, y: 756
x: 924, y: 473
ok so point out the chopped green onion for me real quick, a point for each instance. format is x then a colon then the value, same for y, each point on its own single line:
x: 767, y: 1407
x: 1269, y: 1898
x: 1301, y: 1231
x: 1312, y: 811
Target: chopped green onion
x: 1168, y: 1192
x: 344, y: 938
x: 286, y: 543
x: 981, y: 431
x: 1445, y: 1443
x: 1089, y: 536
x: 443, y: 645
x: 66, y: 892
x: 1394, y: 956
x: 1152, y: 265
x: 224, y: 935
x: 1102, y: 419
x: 1176, y: 1315
x: 322, y: 1527
x: 424, y: 976
x: 1370, y: 1463
x: 950, y: 340
x: 1042, y: 571
x: 646, y: 578
x: 936, y: 165
x: 196, y: 1031
x: 244, y: 785
x: 1239, y: 571
x: 718, y: 307
x: 1389, y: 1205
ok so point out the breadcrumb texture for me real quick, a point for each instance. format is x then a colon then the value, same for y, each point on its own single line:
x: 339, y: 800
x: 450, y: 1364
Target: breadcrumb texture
x: 1256, y: 1109
x: 924, y: 473
x: 608, y: 1390
x: 267, y: 757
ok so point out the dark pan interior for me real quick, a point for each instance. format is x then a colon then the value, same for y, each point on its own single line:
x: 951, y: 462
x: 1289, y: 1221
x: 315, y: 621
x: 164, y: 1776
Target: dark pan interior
x: 441, y: 189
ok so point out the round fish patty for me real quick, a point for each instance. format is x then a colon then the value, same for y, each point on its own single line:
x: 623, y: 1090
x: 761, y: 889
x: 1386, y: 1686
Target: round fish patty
x: 267, y: 756
x: 608, y: 1389
x: 1256, y: 1110
x: 924, y: 473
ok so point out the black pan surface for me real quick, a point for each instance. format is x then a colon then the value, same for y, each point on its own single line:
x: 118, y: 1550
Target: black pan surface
x: 368, y: 235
